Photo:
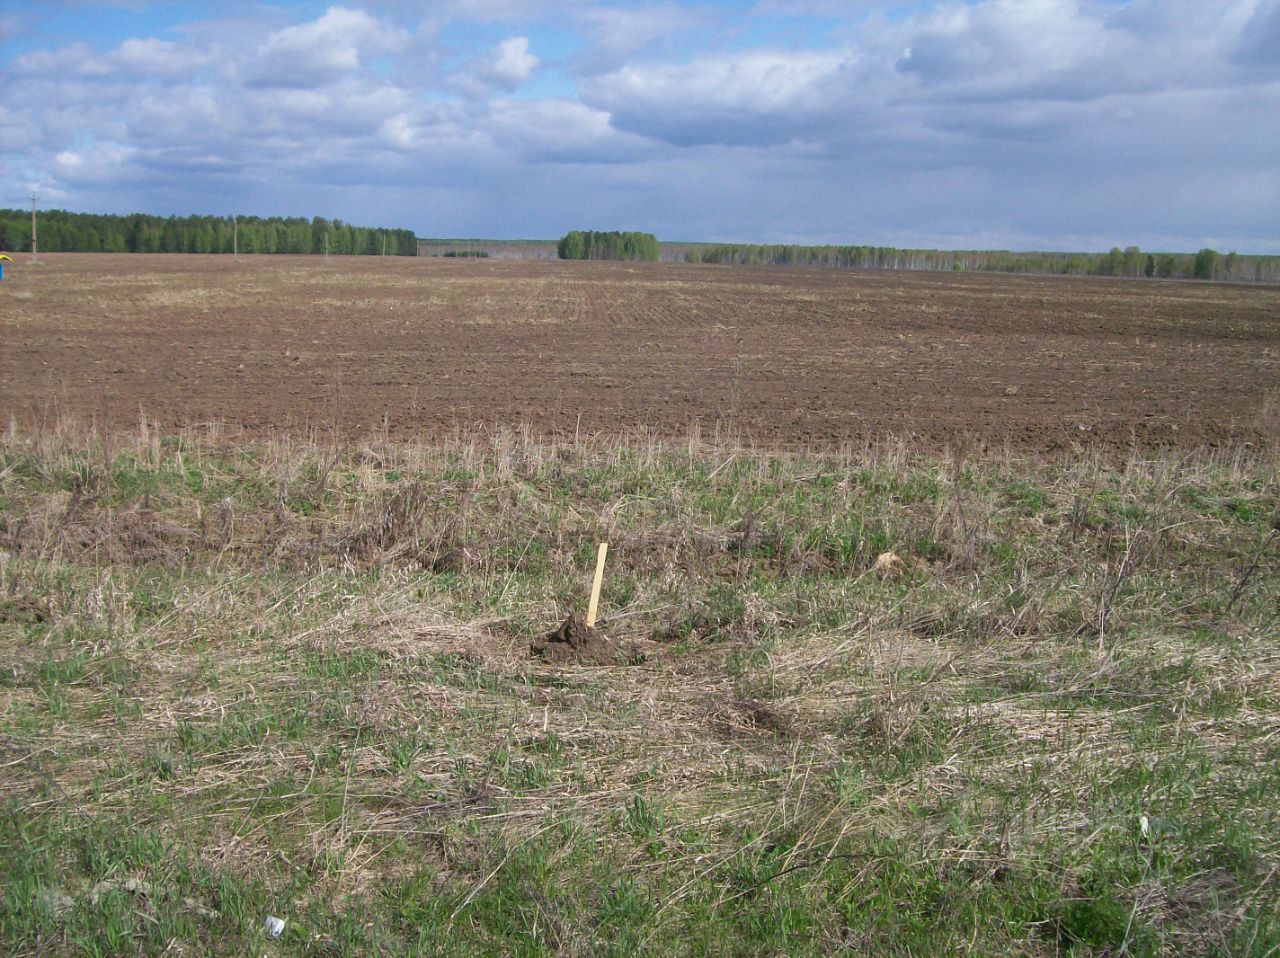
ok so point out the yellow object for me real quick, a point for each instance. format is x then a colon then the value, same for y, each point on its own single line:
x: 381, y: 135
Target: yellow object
x: 5, y: 259
x: 595, y: 586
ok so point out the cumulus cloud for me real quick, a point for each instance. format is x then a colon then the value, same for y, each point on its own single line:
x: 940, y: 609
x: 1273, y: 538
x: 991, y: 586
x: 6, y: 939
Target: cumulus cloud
x: 562, y: 130
x: 1003, y: 45
x: 751, y: 98
x: 505, y: 67
x: 1044, y: 122
x: 72, y: 60
x: 511, y: 63
x: 157, y: 58
x: 92, y: 165
x: 324, y: 49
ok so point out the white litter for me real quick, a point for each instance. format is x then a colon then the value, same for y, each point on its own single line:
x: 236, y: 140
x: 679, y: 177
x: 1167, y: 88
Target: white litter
x: 273, y: 926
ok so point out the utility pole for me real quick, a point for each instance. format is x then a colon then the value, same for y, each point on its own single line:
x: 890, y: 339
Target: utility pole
x: 235, y: 238
x: 33, y: 226
x: 326, y: 245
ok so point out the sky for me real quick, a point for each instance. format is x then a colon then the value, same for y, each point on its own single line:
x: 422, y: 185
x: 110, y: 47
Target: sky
x: 1009, y: 124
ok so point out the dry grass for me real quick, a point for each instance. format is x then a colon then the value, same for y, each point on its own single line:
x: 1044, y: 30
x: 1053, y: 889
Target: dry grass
x: 283, y: 677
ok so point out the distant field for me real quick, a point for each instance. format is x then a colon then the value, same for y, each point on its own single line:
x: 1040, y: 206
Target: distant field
x: 776, y: 356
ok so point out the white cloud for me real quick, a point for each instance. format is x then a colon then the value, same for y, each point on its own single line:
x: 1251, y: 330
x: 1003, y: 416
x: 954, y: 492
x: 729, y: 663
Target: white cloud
x: 324, y: 49
x: 158, y: 58
x: 562, y: 130
x: 1000, y: 41
x: 512, y: 63
x: 73, y: 60
x: 100, y: 163
x: 504, y: 67
x: 755, y: 97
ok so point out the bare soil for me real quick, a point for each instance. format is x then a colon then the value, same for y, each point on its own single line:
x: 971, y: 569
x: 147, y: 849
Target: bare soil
x: 422, y: 347
x: 575, y: 642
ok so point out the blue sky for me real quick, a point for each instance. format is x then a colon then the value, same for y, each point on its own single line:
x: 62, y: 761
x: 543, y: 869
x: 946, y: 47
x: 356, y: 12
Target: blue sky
x: 1023, y: 124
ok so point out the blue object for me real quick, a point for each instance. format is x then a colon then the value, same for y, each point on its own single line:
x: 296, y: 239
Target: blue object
x: 1, y: 271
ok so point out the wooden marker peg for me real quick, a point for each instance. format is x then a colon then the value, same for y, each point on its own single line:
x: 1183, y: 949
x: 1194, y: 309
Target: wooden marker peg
x: 595, y: 586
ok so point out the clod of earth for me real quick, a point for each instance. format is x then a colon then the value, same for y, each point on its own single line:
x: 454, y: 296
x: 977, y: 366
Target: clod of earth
x: 889, y: 565
x: 577, y: 643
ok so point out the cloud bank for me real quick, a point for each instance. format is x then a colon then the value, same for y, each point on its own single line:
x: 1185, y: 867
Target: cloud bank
x: 1010, y: 123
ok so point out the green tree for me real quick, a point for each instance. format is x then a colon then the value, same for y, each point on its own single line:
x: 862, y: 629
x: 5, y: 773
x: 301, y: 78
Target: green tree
x: 1206, y: 264
x: 590, y: 244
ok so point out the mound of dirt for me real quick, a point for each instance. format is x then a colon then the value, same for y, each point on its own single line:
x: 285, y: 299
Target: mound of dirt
x: 576, y: 643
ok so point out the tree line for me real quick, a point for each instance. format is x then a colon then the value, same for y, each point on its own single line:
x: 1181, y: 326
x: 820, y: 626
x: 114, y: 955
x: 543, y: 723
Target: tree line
x: 589, y: 244
x: 1132, y: 261
x: 62, y: 232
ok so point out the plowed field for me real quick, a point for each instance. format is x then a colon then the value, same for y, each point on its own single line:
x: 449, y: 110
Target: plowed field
x: 776, y: 356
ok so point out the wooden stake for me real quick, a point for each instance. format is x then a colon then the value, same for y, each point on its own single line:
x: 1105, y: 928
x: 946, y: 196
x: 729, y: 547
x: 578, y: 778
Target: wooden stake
x: 595, y: 586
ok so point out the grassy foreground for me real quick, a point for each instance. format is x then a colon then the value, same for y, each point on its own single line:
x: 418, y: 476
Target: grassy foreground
x: 287, y: 679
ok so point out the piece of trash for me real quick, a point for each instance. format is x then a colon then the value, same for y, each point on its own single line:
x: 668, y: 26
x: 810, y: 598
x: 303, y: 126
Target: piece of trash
x: 1145, y: 824
x: 273, y: 926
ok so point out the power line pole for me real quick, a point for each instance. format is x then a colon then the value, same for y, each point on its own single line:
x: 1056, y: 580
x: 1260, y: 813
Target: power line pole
x: 235, y: 238
x: 33, y: 226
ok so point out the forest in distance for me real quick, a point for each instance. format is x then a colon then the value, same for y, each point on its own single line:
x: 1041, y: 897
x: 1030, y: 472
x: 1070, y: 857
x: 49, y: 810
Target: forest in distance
x: 1206, y: 264
x: 60, y: 231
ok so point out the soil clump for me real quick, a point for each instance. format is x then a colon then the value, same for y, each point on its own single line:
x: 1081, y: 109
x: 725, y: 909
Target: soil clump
x: 576, y: 643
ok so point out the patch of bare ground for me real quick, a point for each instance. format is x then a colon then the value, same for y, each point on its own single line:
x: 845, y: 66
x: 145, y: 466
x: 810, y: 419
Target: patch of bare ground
x: 406, y: 348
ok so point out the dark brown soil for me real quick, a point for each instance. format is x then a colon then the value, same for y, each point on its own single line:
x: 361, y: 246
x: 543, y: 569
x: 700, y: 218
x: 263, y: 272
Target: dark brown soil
x: 576, y: 643
x: 791, y: 357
